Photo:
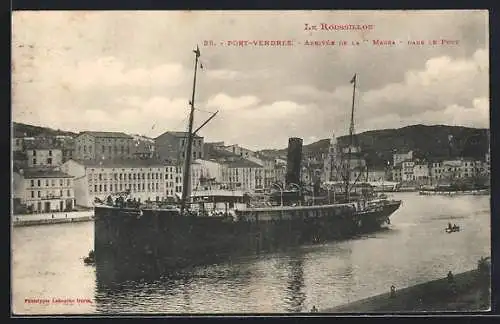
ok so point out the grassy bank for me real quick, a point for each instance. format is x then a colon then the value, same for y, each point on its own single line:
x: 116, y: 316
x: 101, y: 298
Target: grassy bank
x: 470, y: 291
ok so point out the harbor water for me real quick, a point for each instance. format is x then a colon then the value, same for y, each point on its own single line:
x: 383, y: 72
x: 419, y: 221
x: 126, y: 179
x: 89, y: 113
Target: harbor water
x: 48, y: 275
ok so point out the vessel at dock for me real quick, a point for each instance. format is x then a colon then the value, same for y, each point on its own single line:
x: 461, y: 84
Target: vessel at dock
x: 134, y: 240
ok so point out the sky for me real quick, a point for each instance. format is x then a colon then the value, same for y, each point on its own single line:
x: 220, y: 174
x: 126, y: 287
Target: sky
x: 132, y: 71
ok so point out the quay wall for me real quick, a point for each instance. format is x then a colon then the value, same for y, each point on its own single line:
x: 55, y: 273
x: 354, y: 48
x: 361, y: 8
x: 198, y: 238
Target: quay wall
x: 470, y: 291
x: 52, y: 218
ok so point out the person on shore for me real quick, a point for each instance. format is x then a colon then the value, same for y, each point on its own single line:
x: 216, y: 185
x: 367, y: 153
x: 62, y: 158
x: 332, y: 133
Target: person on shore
x: 314, y: 309
x: 393, y: 291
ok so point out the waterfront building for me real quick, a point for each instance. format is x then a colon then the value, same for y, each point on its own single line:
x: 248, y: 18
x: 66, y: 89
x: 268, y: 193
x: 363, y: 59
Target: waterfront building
x: 43, y: 190
x: 103, y: 146
x: 171, y: 146
x: 407, y: 174
x: 43, y: 154
x: 145, y: 179
x: 421, y: 173
x: 243, y: 174
x: 400, y: 157
x: 397, y: 173
x: 376, y: 175
x: 436, y: 170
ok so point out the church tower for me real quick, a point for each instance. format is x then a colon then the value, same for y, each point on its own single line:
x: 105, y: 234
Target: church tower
x: 330, y: 173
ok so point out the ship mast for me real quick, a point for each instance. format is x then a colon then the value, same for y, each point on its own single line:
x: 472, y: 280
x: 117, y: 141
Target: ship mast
x: 351, y: 142
x: 187, y: 158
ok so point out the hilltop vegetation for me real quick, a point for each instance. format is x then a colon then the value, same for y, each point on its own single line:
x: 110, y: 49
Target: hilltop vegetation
x: 22, y: 130
x: 427, y: 142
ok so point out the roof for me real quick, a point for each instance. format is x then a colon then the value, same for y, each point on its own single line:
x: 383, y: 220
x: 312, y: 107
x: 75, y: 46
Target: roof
x: 179, y: 134
x: 121, y: 163
x: 43, y: 173
x: 42, y: 146
x: 242, y: 163
x: 106, y: 134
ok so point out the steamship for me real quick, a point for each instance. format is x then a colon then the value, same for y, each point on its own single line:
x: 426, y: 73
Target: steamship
x: 134, y: 240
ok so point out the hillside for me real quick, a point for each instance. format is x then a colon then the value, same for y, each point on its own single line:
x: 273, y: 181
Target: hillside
x: 438, y: 141
x: 22, y: 130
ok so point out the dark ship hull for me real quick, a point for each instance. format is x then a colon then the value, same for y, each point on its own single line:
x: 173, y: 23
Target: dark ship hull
x: 133, y: 244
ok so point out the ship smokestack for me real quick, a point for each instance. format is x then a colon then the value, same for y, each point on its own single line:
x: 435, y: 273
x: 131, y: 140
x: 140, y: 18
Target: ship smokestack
x: 294, y: 159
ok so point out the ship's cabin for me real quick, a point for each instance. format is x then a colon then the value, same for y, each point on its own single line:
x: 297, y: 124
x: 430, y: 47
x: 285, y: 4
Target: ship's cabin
x: 219, y: 201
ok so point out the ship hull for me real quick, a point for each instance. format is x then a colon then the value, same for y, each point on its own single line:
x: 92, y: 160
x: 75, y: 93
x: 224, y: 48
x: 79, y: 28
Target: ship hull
x: 132, y: 244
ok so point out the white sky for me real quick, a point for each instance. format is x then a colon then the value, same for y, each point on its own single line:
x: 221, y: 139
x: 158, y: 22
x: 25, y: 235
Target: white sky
x: 132, y: 72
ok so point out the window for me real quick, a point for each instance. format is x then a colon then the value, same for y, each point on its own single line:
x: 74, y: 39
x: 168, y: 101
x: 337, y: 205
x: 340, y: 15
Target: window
x: 34, y: 153
x: 148, y: 176
x: 34, y: 161
x: 128, y: 150
x: 105, y: 188
x: 109, y: 149
x: 32, y: 194
x: 116, y: 176
x: 121, y: 187
x: 53, y: 182
x: 143, y: 186
x: 103, y: 149
x: 38, y: 194
x: 69, y: 193
x: 61, y: 182
x: 122, y: 149
x: 84, y: 149
x: 95, y: 188
x: 130, y: 176
x: 38, y: 183
x: 60, y: 193
x: 100, y: 176
x: 199, y: 155
x: 143, y: 176
x: 90, y: 149
x: 46, y: 183
x: 49, y: 161
x: 32, y: 183
x: 157, y: 186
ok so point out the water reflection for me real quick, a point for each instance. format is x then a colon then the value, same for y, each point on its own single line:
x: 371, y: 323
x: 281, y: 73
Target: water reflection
x: 295, y: 295
x: 46, y: 263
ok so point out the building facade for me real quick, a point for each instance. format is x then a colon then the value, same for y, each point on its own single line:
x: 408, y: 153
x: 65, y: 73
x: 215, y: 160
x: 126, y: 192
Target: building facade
x: 407, y: 174
x: 244, y: 175
x: 43, y: 155
x: 171, y: 146
x: 239, y: 151
x: 103, y: 146
x: 145, y: 179
x: 44, y: 191
x: 421, y: 173
x: 400, y: 157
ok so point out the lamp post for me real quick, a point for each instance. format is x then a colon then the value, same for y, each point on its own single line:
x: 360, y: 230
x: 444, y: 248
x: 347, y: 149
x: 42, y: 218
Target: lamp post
x: 300, y: 191
x: 281, y: 192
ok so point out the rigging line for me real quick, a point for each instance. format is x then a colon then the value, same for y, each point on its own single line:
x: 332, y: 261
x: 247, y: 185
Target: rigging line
x: 205, y: 111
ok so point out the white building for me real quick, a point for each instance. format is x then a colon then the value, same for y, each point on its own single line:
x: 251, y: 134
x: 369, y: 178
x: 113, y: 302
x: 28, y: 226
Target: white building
x: 421, y: 173
x: 400, y: 157
x: 43, y: 155
x: 407, y: 174
x: 397, y: 174
x: 146, y: 179
x: 44, y: 190
x: 244, y: 175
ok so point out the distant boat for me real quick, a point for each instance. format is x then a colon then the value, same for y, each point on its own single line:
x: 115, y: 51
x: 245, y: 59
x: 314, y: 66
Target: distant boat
x: 452, y: 229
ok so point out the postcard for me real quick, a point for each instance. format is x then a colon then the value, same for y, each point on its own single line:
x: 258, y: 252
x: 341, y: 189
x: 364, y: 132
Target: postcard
x: 250, y: 162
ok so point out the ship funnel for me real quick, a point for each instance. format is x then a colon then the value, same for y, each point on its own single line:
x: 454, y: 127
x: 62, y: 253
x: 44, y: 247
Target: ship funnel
x: 294, y: 159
